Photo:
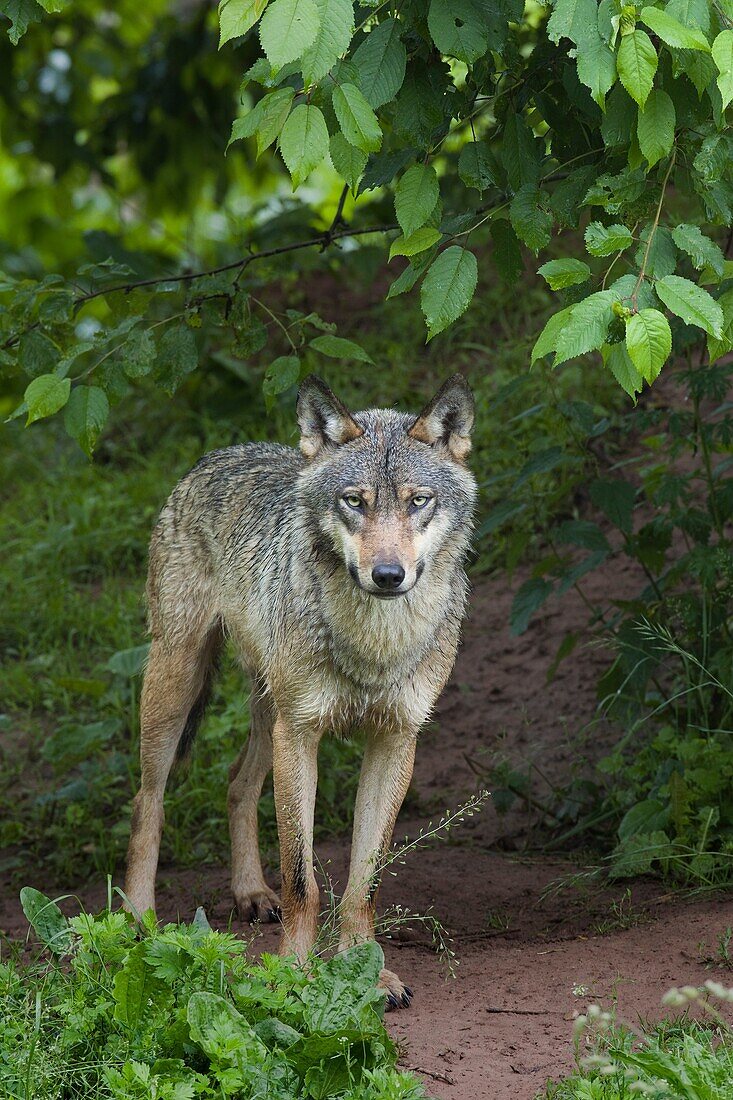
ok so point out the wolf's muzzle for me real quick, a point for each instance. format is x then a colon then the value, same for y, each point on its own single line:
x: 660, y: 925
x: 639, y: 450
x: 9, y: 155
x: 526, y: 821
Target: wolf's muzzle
x: 388, y: 576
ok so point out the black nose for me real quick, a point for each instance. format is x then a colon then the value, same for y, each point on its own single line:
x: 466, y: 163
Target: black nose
x: 388, y: 576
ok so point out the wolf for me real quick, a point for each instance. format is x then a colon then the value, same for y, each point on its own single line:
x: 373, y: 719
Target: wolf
x: 337, y: 572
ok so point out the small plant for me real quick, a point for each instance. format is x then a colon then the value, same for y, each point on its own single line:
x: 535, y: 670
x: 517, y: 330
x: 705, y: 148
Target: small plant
x: 115, y: 1011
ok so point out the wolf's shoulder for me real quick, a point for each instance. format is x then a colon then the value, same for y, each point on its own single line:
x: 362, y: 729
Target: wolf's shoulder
x: 245, y: 459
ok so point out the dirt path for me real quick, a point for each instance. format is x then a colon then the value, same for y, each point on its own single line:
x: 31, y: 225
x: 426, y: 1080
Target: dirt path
x: 526, y: 965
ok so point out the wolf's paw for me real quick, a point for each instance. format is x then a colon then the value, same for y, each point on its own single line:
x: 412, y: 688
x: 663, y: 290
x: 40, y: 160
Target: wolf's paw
x: 398, y: 995
x: 261, y: 904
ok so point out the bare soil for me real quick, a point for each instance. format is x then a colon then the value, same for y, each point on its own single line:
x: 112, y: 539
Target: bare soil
x: 527, y: 961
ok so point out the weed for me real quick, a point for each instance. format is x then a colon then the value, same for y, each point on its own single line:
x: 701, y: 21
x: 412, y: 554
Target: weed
x: 623, y: 915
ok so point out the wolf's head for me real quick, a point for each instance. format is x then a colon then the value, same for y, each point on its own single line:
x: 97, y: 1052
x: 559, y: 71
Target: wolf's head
x: 389, y: 493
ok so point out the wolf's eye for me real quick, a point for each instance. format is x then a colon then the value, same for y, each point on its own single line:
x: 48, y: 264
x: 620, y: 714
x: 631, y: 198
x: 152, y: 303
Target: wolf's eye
x: 352, y: 500
x: 420, y: 500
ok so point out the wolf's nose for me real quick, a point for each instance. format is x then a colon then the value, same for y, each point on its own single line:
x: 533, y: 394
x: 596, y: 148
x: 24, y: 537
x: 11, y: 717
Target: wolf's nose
x: 388, y: 576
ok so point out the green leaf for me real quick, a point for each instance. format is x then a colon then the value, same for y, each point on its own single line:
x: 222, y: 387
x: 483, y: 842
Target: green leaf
x: 618, y: 361
x: 414, y: 271
x: 672, y: 32
x: 616, y: 500
x: 690, y: 302
x: 422, y: 238
x: 237, y: 16
x: 571, y: 19
x: 448, y: 288
x: 21, y: 14
x: 381, y: 60
x: 348, y: 161
x: 46, y: 920
x: 637, y: 64
x: 649, y: 342
x: 45, y: 395
x: 177, y: 357
x: 415, y: 197
x: 287, y: 29
x: 339, y: 348
x: 548, y: 338
x: 528, y: 599
x: 332, y: 39
x: 138, y: 353
x: 716, y: 347
x: 559, y: 274
x: 458, y: 29
x: 357, y: 120
x: 304, y: 141
x: 583, y: 533
x: 701, y: 250
x: 343, y: 994
x: 135, y: 990
x: 596, y: 65
x: 266, y: 119
x: 85, y: 415
x: 723, y: 58
x: 603, y: 240
x: 691, y: 13
x: 587, y: 327
x: 655, y: 128
x: 531, y: 222
x: 477, y: 166
x: 281, y: 374
x: 506, y: 253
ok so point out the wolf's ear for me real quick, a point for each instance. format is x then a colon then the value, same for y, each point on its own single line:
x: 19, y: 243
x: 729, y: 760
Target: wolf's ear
x: 447, y: 419
x: 324, y: 420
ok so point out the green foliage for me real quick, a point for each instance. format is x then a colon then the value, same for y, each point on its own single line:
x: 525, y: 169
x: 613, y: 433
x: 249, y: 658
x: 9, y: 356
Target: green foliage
x: 488, y: 131
x: 180, y: 1011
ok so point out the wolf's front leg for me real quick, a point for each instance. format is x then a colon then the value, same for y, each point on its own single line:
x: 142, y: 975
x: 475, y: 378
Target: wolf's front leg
x: 386, y: 771
x: 295, y: 775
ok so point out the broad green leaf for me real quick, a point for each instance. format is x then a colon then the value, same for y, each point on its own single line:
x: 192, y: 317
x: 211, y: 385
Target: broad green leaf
x: 477, y: 166
x: 343, y: 996
x: 559, y: 274
x: 690, y: 302
x: 348, y: 161
x: 381, y: 60
x: 85, y: 415
x: 422, y: 238
x: 649, y: 342
x: 618, y: 361
x: 177, y: 357
x: 531, y: 222
x: 637, y: 64
x: 672, y: 32
x: 135, y: 990
x: 655, y: 128
x: 603, y: 240
x: 46, y: 920
x: 701, y: 250
x: 723, y: 58
x: 303, y: 141
x: 448, y: 288
x: 596, y: 63
x: 415, y: 197
x: 546, y: 342
x: 281, y: 374
x: 414, y: 271
x: 458, y: 29
x: 21, y: 14
x: 266, y: 119
x: 357, y: 120
x: 506, y: 253
x: 571, y: 19
x: 661, y: 258
x: 618, y: 122
x: 718, y: 347
x: 287, y: 29
x: 237, y: 16
x: 45, y: 395
x: 332, y: 39
x: 691, y: 13
x: 583, y: 533
x: 138, y: 353
x: 587, y: 327
x: 338, y: 348
x: 616, y: 500
x: 527, y: 601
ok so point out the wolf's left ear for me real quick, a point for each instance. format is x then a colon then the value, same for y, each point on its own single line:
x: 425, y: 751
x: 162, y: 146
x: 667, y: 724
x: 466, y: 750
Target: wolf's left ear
x: 324, y: 420
x: 447, y: 419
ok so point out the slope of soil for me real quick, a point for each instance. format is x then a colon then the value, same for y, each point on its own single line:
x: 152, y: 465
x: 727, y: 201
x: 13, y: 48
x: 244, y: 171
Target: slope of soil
x: 527, y: 962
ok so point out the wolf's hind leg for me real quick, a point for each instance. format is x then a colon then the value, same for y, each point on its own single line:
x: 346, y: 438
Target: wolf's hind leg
x: 173, y: 698
x: 386, y: 770
x: 252, y: 896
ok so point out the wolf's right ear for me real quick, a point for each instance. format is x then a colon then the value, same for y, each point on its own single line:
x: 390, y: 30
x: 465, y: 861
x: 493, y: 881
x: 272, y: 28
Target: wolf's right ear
x: 324, y: 420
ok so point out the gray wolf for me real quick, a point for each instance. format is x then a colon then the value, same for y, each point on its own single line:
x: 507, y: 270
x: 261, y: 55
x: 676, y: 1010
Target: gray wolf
x: 337, y: 573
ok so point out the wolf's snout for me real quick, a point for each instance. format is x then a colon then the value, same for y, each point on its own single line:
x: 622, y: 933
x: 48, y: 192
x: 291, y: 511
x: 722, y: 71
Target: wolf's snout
x: 388, y: 576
